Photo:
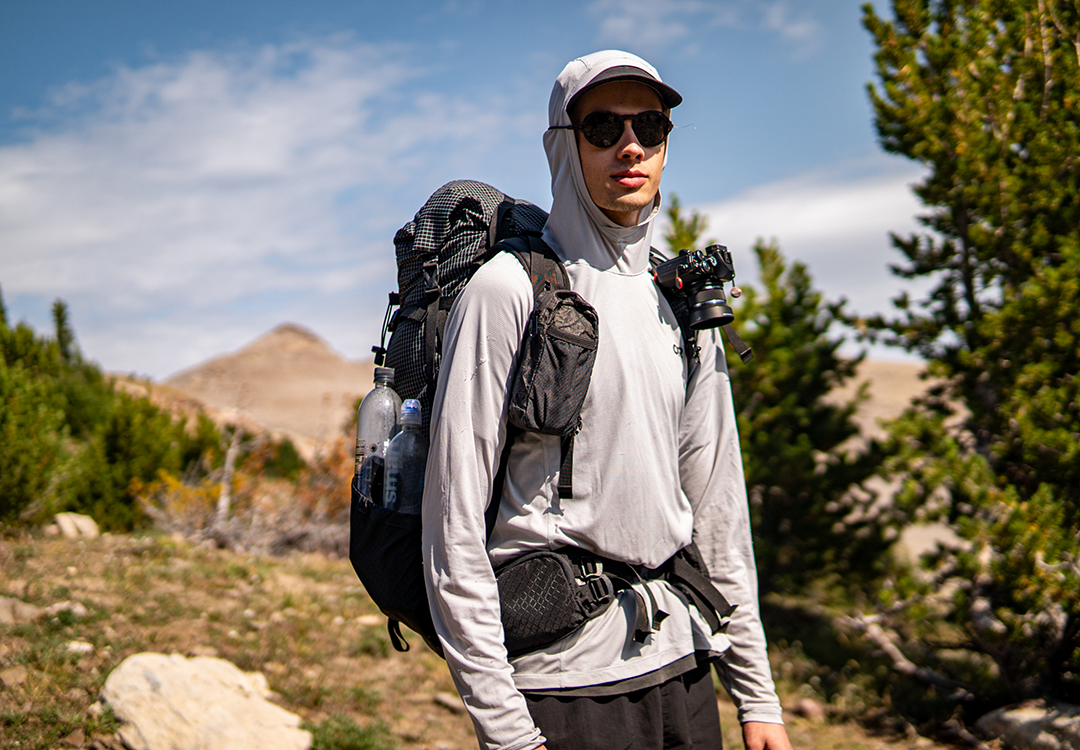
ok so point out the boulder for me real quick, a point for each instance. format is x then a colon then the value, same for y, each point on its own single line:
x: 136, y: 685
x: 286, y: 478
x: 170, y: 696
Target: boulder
x: 203, y: 703
x: 13, y: 676
x: 1036, y: 725
x: 75, y: 608
x: 77, y: 526
x: 808, y: 708
x: 16, y: 612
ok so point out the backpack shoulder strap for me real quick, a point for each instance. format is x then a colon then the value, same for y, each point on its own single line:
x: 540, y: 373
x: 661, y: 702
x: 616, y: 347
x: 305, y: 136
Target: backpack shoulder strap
x: 546, y: 273
x: 544, y: 267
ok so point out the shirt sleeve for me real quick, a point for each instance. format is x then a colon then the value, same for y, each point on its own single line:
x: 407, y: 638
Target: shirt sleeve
x: 468, y: 431
x: 711, y: 474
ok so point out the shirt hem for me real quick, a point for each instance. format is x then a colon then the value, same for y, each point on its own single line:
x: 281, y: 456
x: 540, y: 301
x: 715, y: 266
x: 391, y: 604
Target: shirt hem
x: 623, y: 671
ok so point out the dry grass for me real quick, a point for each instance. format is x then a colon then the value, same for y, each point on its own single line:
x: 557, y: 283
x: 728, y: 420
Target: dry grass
x: 302, y: 620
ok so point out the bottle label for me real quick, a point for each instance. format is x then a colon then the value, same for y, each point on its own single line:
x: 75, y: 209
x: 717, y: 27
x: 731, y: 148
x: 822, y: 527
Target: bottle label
x: 390, y: 490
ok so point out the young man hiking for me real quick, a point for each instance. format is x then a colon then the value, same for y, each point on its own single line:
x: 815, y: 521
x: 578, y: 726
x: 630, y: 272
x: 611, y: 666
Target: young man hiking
x: 655, y: 467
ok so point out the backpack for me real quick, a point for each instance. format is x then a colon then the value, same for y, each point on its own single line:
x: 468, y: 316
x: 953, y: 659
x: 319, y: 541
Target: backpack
x: 456, y: 231
x: 450, y: 237
x: 461, y: 226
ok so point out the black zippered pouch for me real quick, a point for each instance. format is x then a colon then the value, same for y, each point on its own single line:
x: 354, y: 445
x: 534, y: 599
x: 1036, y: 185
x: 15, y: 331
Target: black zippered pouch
x: 557, y: 358
x: 542, y: 600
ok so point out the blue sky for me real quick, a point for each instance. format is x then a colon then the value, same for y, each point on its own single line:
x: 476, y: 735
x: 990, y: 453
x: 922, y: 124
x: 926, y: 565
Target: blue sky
x: 189, y: 175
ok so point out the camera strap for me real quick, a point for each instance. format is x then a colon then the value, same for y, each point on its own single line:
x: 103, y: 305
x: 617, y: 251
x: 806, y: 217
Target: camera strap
x: 682, y: 314
x: 741, y: 347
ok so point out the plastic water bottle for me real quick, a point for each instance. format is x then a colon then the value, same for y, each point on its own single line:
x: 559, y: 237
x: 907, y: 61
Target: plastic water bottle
x: 406, y: 459
x: 376, y: 424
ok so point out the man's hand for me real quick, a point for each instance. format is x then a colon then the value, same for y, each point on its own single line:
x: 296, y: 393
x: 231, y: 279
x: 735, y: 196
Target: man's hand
x: 757, y: 735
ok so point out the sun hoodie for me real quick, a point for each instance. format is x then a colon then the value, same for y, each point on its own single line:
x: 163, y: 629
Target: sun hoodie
x: 656, y: 466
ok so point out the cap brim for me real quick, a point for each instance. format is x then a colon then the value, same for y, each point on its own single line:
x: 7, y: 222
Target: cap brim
x: 669, y: 96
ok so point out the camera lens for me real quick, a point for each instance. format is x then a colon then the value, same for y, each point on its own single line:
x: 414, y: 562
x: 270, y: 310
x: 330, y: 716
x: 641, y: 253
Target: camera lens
x: 708, y: 308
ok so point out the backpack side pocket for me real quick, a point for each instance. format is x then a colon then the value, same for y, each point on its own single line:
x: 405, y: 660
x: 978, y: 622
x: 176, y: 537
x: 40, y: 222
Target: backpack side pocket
x: 385, y: 552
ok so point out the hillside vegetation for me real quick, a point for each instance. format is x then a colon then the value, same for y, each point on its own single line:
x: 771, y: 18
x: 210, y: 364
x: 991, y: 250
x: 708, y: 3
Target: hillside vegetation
x: 73, y: 439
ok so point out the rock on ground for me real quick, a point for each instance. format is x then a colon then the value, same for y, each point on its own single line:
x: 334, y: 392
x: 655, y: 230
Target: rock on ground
x: 16, y: 612
x: 202, y: 703
x: 1035, y: 726
x: 77, y: 526
x: 13, y: 676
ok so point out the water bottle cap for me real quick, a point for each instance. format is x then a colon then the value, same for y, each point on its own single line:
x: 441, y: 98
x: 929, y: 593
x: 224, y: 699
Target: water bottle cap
x: 384, y: 375
x: 410, y: 412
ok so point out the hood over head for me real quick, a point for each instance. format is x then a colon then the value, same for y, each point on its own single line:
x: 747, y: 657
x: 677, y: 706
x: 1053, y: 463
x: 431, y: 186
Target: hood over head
x: 577, y: 228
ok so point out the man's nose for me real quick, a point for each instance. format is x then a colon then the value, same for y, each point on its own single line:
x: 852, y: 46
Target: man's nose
x: 629, y: 147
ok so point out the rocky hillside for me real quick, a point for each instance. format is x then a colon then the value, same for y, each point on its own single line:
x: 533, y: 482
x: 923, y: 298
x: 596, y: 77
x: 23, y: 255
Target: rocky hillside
x: 291, y: 382
x: 288, y: 380
x: 891, y: 386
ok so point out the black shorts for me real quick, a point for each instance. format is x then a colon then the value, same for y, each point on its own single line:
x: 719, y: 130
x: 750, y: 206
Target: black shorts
x: 679, y: 714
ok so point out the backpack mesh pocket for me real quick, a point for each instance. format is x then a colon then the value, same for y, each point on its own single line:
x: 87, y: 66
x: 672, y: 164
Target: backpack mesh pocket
x: 556, y: 365
x: 385, y: 551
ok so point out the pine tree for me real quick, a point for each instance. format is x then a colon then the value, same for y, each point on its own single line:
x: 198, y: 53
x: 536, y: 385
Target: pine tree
x: 65, y: 337
x: 70, y: 441
x: 986, y: 95
x: 804, y: 467
x: 31, y: 432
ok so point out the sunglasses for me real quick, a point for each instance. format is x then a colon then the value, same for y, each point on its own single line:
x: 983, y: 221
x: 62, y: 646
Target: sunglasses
x: 605, y: 129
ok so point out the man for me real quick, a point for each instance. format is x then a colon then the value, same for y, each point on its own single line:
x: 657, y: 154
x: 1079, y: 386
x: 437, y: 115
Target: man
x: 656, y: 465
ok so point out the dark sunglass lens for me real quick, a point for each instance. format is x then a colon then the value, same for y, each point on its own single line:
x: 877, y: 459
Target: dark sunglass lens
x: 651, y: 128
x: 605, y: 129
x: 602, y: 129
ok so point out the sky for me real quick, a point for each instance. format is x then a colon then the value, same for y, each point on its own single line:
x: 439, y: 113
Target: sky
x: 187, y: 176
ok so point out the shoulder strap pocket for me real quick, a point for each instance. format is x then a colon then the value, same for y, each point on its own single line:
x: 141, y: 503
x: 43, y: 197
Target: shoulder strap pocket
x: 555, y: 365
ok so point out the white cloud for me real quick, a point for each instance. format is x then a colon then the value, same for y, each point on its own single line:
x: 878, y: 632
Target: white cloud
x: 653, y: 25
x: 183, y: 207
x: 836, y: 222
x: 649, y: 24
x: 799, y: 30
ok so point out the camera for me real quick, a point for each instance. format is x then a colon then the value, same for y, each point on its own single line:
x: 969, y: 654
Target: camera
x: 699, y: 276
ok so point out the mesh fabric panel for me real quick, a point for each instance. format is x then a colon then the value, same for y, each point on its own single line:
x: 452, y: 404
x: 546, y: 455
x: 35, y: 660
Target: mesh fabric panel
x: 452, y: 229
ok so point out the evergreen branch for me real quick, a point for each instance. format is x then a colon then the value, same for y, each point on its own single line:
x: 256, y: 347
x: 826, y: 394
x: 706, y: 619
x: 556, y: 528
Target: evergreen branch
x: 886, y: 641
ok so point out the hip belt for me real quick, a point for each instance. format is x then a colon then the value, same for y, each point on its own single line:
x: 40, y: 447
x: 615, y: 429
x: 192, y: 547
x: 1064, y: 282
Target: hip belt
x: 548, y: 594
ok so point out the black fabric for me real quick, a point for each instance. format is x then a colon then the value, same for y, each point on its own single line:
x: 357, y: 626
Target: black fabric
x: 679, y: 306
x: 690, y: 576
x: 556, y: 357
x: 680, y: 714
x: 741, y: 347
x: 437, y: 253
x: 542, y: 600
x: 566, y: 469
x: 555, y: 365
x: 384, y: 548
x: 549, y: 594
x: 385, y: 551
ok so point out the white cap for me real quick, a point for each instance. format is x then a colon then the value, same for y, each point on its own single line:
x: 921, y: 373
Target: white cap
x: 411, y: 412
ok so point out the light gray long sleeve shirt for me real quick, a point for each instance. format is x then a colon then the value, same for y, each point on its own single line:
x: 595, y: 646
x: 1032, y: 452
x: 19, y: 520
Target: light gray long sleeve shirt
x: 656, y: 466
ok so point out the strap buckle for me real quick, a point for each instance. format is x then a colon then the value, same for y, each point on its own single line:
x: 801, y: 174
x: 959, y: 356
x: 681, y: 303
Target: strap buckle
x: 599, y: 590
